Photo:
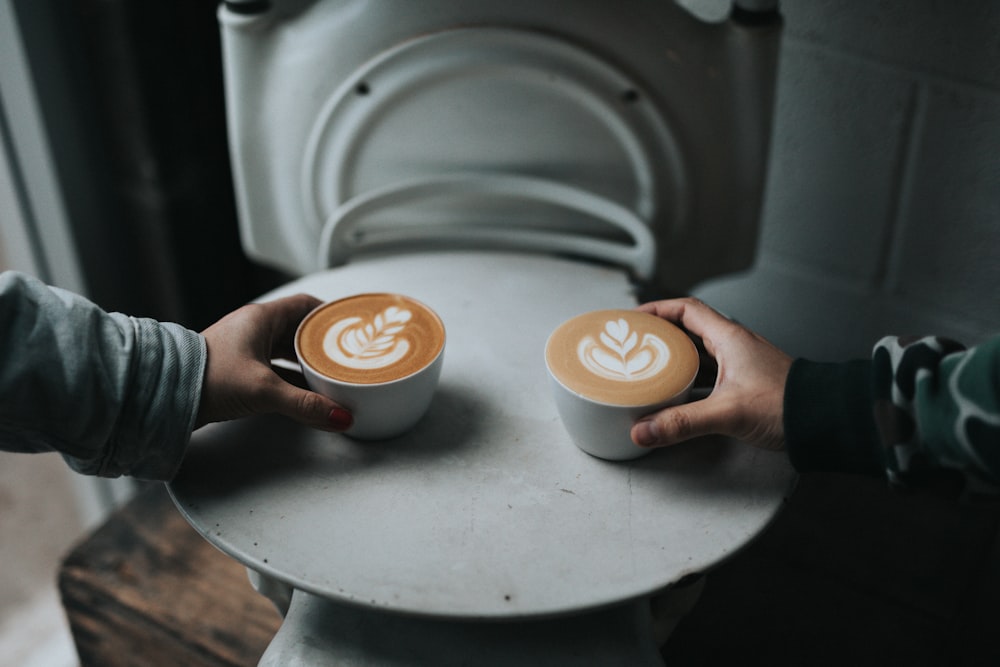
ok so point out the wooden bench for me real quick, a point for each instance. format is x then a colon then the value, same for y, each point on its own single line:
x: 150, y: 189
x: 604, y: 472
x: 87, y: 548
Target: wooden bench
x: 146, y: 590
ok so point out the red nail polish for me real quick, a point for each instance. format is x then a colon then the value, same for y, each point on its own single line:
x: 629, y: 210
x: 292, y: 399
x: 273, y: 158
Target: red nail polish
x: 340, y: 419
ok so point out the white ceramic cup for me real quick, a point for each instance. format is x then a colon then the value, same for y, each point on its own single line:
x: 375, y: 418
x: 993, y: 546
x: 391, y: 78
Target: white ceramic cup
x: 382, y: 409
x: 623, y: 343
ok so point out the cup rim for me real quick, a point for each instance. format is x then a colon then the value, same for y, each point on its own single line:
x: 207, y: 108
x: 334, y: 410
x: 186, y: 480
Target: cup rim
x: 628, y: 406
x: 345, y: 383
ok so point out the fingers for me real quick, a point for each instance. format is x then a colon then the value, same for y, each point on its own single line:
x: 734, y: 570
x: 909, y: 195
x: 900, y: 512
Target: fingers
x: 239, y: 379
x: 307, y: 407
x: 683, y: 422
x: 694, y: 315
x: 291, y: 399
x: 747, y: 401
x: 280, y: 318
x: 291, y: 309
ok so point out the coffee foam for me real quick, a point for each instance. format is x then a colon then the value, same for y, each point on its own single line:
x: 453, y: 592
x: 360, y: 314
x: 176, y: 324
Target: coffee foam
x: 622, y: 357
x: 370, y: 338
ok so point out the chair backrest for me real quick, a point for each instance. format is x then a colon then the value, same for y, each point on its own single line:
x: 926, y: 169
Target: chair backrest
x: 627, y: 132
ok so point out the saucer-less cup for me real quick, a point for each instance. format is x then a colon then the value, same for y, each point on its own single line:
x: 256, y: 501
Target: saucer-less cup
x: 608, y: 368
x: 378, y: 355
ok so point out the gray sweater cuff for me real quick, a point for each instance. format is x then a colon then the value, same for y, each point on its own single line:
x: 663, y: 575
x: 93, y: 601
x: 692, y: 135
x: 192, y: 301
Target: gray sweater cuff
x: 159, y: 412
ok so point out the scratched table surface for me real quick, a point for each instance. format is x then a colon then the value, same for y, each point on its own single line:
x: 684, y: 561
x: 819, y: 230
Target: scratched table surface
x: 485, y: 510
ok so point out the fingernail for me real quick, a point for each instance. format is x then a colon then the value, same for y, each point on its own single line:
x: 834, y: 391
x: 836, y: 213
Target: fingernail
x: 646, y: 433
x: 340, y: 419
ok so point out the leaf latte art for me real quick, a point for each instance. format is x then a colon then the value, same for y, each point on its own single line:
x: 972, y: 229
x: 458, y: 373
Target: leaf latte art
x: 619, y: 354
x: 355, y: 343
x: 370, y: 338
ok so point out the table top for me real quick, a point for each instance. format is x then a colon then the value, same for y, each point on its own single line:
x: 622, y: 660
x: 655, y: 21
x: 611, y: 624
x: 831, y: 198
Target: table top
x: 485, y: 509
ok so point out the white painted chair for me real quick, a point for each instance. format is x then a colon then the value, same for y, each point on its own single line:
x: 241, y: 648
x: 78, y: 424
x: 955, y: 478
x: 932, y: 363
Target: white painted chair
x: 510, y: 164
x: 631, y: 133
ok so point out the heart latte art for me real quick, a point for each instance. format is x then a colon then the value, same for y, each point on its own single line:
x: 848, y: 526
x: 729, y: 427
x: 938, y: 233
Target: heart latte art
x: 622, y: 357
x: 618, y: 353
x: 370, y: 338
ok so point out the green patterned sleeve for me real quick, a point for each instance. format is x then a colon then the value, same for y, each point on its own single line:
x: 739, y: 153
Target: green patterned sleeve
x: 937, y: 405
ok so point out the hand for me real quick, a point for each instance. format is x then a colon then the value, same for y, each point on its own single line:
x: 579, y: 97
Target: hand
x: 747, y: 400
x: 239, y: 379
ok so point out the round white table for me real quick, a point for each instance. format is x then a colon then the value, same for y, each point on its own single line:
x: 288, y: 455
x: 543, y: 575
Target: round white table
x: 483, y: 536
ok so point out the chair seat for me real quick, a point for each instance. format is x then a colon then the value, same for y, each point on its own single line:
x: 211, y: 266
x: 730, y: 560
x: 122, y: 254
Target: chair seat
x: 487, y: 498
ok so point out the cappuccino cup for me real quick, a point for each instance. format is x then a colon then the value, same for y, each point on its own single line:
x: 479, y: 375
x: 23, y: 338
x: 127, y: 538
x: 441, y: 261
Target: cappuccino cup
x: 608, y: 368
x: 378, y: 355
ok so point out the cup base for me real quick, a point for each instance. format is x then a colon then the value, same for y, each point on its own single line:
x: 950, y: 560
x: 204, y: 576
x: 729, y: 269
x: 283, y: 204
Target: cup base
x: 617, y: 455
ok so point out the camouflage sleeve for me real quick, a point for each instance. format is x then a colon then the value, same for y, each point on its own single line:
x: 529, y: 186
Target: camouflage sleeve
x: 916, y: 407
x: 937, y: 405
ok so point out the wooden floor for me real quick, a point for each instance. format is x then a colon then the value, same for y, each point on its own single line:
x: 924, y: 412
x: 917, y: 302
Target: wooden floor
x: 38, y: 525
x: 851, y: 573
x: 146, y: 590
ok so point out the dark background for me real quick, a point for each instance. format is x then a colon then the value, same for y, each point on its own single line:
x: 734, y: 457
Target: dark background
x: 133, y: 98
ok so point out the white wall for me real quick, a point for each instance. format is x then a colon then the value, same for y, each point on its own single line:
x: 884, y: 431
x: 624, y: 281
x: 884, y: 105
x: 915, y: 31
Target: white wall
x: 882, y: 212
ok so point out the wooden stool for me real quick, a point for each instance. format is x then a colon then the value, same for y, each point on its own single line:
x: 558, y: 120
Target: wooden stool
x: 146, y: 589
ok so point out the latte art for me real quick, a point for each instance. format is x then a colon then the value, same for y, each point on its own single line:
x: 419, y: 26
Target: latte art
x: 355, y: 343
x: 618, y: 354
x: 622, y: 357
x: 370, y: 338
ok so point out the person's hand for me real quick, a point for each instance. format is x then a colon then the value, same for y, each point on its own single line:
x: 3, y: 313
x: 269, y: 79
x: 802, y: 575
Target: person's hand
x: 747, y: 400
x: 239, y: 379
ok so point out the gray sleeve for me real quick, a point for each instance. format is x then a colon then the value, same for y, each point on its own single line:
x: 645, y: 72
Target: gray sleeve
x: 116, y: 395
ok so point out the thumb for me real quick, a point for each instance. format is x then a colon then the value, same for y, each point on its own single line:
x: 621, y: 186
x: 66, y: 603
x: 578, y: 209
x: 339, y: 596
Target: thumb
x: 309, y: 408
x: 679, y: 423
